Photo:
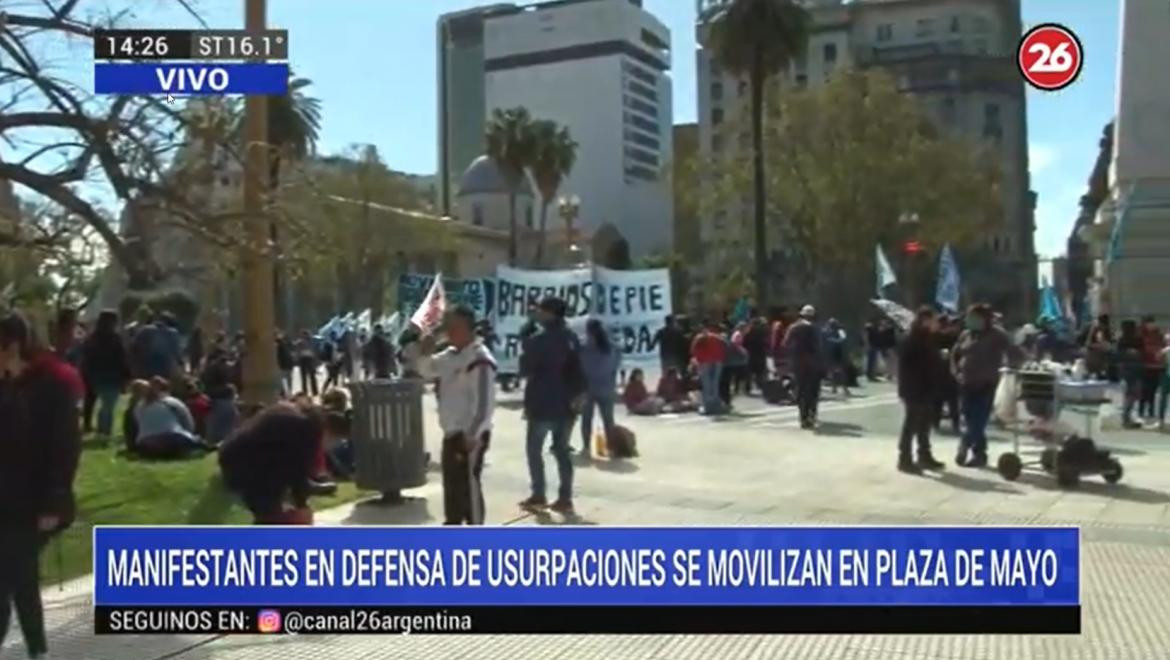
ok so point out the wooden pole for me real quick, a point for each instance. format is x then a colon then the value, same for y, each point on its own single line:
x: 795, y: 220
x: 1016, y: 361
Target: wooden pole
x: 261, y: 382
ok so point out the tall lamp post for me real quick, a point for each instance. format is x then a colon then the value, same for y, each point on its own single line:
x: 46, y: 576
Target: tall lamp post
x: 260, y: 369
x: 911, y: 248
x: 570, y: 208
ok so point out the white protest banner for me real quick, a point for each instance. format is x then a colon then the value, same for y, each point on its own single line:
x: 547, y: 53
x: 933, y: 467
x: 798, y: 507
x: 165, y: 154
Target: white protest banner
x: 518, y: 290
x: 633, y: 305
x: 429, y: 314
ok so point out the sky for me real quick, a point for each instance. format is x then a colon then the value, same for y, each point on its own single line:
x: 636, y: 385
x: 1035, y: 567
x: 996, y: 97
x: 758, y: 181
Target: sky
x: 372, y: 63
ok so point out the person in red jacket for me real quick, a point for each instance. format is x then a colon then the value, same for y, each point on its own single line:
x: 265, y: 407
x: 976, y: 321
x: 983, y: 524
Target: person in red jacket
x: 1153, y: 366
x: 40, y: 444
x: 707, y: 353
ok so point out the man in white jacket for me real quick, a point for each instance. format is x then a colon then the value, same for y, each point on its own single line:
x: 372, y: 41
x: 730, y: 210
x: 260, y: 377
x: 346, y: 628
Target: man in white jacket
x: 466, y: 373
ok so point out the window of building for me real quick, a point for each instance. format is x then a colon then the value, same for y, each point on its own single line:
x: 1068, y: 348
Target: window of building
x: 716, y: 116
x: 956, y: 25
x: 528, y: 217
x: 830, y: 53
x: 716, y: 143
x: 801, y: 80
x: 885, y: 32
x: 641, y: 157
x: 717, y: 91
x: 645, y: 91
x: 982, y: 25
x: 743, y: 88
x: 924, y: 27
x: 477, y: 215
x: 714, y: 64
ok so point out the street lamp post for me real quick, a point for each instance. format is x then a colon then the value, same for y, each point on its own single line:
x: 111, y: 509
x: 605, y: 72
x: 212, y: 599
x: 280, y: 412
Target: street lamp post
x: 570, y: 208
x: 260, y: 369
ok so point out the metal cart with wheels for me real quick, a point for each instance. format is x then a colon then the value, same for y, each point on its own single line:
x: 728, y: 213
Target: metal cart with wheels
x: 1066, y: 458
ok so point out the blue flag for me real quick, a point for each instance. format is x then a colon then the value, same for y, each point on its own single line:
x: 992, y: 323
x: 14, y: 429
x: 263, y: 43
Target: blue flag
x: 1050, y: 308
x: 947, y: 290
x: 885, y: 274
x: 741, y: 312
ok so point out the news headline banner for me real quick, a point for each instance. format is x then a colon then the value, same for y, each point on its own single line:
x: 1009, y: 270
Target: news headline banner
x: 566, y: 566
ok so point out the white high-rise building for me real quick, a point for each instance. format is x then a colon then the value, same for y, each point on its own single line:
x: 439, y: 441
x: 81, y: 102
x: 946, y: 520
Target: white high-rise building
x: 600, y: 68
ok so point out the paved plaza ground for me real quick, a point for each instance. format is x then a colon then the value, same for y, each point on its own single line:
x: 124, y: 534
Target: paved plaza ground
x: 757, y: 468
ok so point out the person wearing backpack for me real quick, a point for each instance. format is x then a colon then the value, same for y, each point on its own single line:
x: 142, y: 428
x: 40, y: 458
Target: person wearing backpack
x: 554, y: 384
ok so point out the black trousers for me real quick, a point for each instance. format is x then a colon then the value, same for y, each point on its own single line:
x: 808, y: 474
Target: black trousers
x: 309, y: 380
x: 20, y: 548
x: 916, y: 423
x: 88, y: 404
x: 462, y: 489
x: 1151, y: 380
x: 808, y: 394
x: 949, y: 399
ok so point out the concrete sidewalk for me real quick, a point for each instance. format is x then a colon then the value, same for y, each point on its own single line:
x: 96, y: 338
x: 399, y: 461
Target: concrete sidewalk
x: 739, y: 471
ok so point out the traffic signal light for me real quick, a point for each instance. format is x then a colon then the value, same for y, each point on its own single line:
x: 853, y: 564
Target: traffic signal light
x: 912, y: 247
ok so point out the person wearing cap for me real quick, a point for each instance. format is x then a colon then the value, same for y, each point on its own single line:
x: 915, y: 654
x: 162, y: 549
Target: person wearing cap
x: 976, y: 360
x: 40, y: 445
x: 466, y: 372
x: 803, y: 344
x: 553, y: 386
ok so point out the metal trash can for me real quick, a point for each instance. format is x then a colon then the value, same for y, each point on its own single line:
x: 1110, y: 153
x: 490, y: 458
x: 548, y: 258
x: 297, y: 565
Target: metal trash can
x: 387, y: 436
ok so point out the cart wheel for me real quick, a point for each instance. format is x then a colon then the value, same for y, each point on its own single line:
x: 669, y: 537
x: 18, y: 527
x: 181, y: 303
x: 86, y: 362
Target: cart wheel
x: 1009, y: 466
x: 1048, y: 459
x: 1113, y: 473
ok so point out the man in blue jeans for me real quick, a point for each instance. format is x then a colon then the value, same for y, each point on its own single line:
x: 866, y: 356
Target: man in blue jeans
x: 981, y: 351
x: 554, y: 382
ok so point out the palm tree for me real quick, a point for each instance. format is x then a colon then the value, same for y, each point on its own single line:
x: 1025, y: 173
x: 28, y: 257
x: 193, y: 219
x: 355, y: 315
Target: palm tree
x: 555, y: 153
x: 758, y: 39
x: 511, y: 145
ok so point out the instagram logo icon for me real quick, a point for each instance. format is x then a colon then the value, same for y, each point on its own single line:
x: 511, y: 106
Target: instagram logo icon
x: 269, y: 621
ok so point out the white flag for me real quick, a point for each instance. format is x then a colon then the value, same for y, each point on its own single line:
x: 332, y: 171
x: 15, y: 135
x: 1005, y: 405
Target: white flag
x: 885, y: 274
x: 363, y: 322
x: 947, y: 290
x: 429, y: 314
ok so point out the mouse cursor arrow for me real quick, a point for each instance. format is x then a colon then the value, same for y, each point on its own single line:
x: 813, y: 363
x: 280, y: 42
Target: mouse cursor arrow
x: 170, y: 99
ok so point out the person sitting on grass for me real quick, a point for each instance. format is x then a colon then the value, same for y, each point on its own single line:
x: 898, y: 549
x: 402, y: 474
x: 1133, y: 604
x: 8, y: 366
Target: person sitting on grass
x: 197, y: 402
x: 269, y: 462
x: 223, y: 414
x: 166, y: 428
x: 338, y: 449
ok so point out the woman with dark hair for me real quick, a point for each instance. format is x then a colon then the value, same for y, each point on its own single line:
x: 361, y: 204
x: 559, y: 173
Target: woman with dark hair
x: 166, y: 427
x: 920, y: 368
x: 40, y: 443
x: 600, y: 362
x: 105, y: 367
x: 976, y: 360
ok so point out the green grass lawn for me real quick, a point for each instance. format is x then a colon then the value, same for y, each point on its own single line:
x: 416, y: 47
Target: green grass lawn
x: 113, y: 489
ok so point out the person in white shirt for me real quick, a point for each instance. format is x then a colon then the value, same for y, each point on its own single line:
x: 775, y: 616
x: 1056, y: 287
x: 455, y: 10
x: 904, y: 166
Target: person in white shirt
x: 466, y: 372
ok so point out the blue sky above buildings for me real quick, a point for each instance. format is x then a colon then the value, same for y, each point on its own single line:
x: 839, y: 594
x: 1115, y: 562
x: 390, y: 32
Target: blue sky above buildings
x: 373, y: 67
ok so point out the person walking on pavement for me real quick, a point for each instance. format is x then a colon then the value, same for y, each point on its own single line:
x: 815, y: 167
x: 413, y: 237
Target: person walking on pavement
x: 105, y: 369
x: 946, y: 337
x: 755, y: 342
x: 1129, y: 368
x: 308, y: 362
x: 554, y: 382
x: 1153, y: 366
x: 600, y: 361
x: 804, y: 345
x: 707, y: 352
x: 466, y: 372
x: 979, y: 354
x: 920, y: 369
x: 285, y: 362
x: 40, y: 444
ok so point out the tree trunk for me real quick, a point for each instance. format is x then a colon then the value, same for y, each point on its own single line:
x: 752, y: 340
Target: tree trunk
x: 513, y: 246
x: 761, y: 248
x: 282, y: 311
x: 543, y: 232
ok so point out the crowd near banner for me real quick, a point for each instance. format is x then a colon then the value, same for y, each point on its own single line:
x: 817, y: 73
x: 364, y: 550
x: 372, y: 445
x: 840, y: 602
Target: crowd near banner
x: 251, y: 579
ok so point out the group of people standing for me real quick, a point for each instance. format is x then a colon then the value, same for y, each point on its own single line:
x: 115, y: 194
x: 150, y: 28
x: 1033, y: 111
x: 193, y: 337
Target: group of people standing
x: 1135, y: 356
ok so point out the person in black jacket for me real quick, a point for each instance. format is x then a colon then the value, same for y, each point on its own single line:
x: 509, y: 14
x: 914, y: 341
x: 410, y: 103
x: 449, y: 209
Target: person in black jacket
x: 920, y: 369
x: 40, y: 444
x: 105, y: 368
x: 268, y: 461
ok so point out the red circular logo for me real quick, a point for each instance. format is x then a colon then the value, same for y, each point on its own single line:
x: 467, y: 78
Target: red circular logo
x: 1050, y: 57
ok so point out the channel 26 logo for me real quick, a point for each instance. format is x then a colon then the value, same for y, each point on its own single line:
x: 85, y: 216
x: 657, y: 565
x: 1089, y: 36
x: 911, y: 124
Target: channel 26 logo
x: 1050, y: 57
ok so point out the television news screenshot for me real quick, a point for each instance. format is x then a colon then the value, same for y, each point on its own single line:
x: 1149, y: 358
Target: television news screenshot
x: 623, y: 329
